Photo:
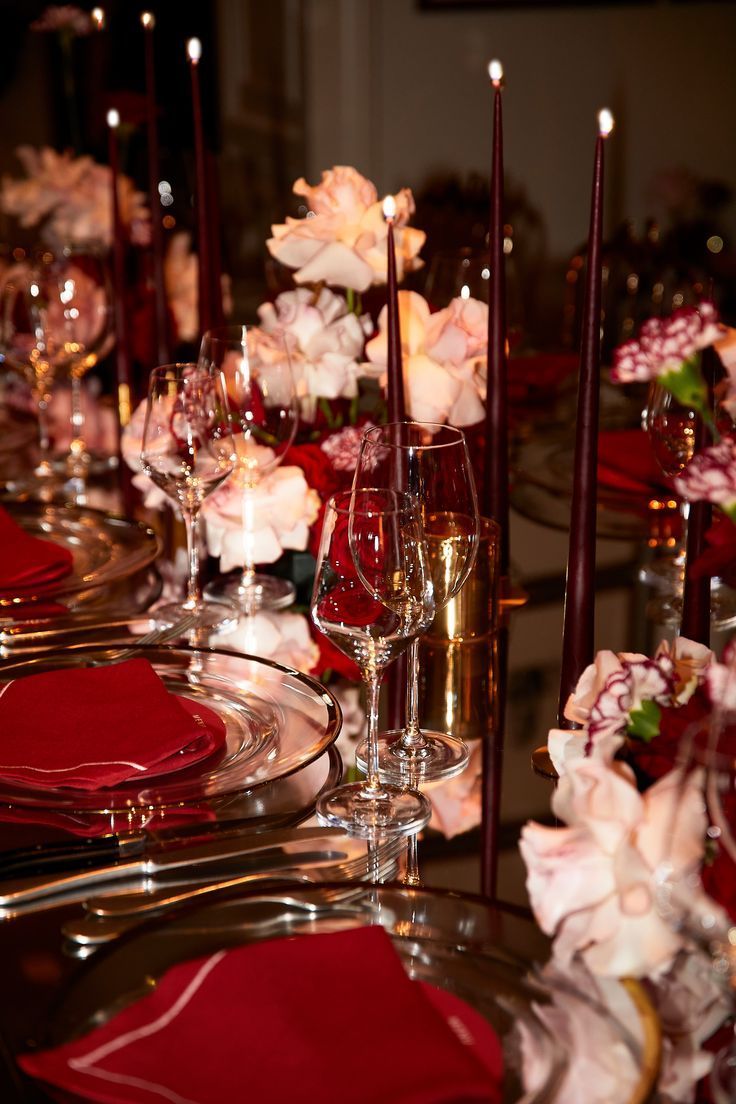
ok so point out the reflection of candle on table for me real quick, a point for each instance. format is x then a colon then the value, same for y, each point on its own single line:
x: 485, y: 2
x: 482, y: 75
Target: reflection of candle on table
x: 579, y: 619
x: 396, y: 402
x: 194, y: 53
x: 496, y: 482
x: 148, y: 22
x: 118, y: 251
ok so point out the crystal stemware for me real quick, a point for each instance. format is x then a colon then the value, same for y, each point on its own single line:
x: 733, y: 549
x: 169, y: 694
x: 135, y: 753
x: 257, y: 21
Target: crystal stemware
x: 430, y: 462
x: 264, y: 413
x: 372, y: 596
x: 188, y: 451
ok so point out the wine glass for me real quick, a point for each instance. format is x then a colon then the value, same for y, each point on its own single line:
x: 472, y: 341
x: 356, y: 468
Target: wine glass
x: 372, y: 596
x: 188, y: 451
x: 264, y: 413
x: 431, y: 463
x: 55, y: 317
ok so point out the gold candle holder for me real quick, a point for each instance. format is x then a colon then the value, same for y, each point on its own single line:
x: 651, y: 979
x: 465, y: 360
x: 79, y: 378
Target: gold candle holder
x: 458, y: 686
x: 473, y: 612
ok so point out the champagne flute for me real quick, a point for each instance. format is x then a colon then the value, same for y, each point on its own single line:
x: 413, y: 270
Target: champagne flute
x: 264, y: 413
x: 372, y: 596
x: 188, y: 451
x: 430, y: 462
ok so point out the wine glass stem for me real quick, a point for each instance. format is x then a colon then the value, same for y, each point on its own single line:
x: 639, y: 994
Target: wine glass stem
x: 247, y: 579
x: 194, y: 590
x: 44, y: 442
x: 76, y: 447
x: 412, y: 736
x: 373, y: 787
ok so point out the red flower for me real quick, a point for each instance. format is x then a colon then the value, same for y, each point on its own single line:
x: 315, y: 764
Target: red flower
x: 719, y: 559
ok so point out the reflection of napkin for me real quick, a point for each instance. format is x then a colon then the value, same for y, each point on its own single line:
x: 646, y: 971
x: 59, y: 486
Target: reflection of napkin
x: 626, y: 462
x: 92, y: 727
x: 28, y: 565
x: 329, y: 1017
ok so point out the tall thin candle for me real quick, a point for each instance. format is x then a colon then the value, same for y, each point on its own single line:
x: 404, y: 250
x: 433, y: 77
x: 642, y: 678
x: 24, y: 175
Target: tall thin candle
x: 695, y: 620
x: 495, y: 498
x: 194, y: 53
x: 148, y: 22
x: 579, y: 618
x: 97, y: 15
x: 396, y: 399
x: 118, y: 251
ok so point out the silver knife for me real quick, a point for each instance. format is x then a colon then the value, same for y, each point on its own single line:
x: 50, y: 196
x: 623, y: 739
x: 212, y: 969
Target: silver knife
x: 168, y: 859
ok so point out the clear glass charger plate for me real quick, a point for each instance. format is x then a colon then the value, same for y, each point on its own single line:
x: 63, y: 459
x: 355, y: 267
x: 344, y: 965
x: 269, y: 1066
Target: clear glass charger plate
x: 456, y: 942
x: 277, y: 721
x: 104, y: 549
x: 116, y: 604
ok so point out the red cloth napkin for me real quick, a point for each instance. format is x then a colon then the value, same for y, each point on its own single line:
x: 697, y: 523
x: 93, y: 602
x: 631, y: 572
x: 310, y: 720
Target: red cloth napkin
x: 331, y: 1018
x: 91, y: 727
x: 626, y: 462
x: 28, y: 565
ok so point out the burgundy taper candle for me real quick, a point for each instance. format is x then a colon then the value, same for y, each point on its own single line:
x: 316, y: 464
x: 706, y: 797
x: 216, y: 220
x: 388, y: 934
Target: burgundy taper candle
x: 194, y: 53
x: 495, y: 496
x: 118, y: 253
x: 395, y: 390
x: 213, y: 195
x: 148, y: 23
x: 579, y: 617
x: 695, y: 618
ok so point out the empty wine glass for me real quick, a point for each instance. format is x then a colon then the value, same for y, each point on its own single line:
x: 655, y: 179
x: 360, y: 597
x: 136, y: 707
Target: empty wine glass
x: 264, y: 413
x: 430, y: 462
x: 372, y: 596
x: 188, y: 451
x: 55, y: 317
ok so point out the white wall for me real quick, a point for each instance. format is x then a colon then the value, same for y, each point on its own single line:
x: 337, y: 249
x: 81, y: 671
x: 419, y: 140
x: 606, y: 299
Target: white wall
x: 399, y: 92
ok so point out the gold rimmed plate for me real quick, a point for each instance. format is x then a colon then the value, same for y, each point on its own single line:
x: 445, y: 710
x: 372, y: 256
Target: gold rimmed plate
x: 105, y: 550
x: 277, y: 721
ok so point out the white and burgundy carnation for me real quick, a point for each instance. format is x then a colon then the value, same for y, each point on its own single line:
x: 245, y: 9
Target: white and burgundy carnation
x: 342, y: 241
x: 343, y: 447
x: 325, y: 341
x: 625, y: 691
x: 442, y: 355
x: 711, y: 477
x: 63, y: 17
x: 664, y: 344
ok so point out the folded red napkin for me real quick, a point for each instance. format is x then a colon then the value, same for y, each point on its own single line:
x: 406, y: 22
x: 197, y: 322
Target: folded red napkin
x: 331, y: 1018
x: 90, y: 727
x: 29, y: 565
x: 626, y: 462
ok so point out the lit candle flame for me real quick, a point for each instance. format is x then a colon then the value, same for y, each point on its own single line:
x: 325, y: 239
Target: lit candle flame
x: 194, y: 50
x: 605, y: 122
x: 98, y: 18
x: 148, y: 19
x: 113, y: 118
x: 495, y: 72
x: 389, y: 208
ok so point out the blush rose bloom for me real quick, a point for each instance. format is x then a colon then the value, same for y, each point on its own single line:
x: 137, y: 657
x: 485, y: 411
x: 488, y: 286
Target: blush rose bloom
x: 181, y: 281
x: 280, y: 635
x: 440, y: 359
x: 342, y: 241
x: 325, y: 341
x: 711, y: 477
x: 592, y: 884
x: 456, y: 803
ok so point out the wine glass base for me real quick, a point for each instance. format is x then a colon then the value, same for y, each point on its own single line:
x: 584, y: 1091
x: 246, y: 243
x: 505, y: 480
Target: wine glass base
x: 396, y: 812
x: 442, y: 756
x: 266, y: 592
x: 209, y: 616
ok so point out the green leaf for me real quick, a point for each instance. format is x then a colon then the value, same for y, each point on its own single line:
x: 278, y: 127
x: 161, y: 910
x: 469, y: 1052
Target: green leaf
x: 644, y: 722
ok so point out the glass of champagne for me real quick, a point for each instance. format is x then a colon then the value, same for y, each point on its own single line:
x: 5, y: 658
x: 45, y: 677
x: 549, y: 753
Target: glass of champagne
x: 372, y: 596
x: 264, y: 414
x: 188, y: 451
x: 430, y: 462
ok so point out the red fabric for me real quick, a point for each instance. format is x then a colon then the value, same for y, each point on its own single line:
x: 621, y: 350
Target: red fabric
x: 532, y: 378
x: 92, y: 727
x: 626, y: 462
x: 28, y: 565
x: 329, y: 1017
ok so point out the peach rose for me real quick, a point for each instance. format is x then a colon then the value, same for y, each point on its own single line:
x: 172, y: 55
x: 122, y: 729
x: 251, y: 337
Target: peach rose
x: 342, y: 241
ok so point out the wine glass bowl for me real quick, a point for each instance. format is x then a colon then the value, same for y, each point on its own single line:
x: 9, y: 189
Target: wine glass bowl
x: 372, y: 597
x: 263, y: 414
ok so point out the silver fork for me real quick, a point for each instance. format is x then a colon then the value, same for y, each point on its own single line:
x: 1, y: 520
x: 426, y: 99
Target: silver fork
x: 155, y: 636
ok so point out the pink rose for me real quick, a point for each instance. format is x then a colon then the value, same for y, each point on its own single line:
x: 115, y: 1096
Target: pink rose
x: 592, y: 884
x: 711, y: 477
x: 342, y: 241
x: 441, y: 374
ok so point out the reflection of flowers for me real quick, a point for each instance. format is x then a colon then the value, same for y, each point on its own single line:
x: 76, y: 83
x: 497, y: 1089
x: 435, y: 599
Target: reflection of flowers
x: 711, y: 476
x: 325, y: 341
x: 591, y: 884
x: 284, y: 507
x: 73, y: 195
x: 282, y: 636
x: 342, y: 241
x: 181, y: 277
x: 441, y: 359
x: 456, y: 803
